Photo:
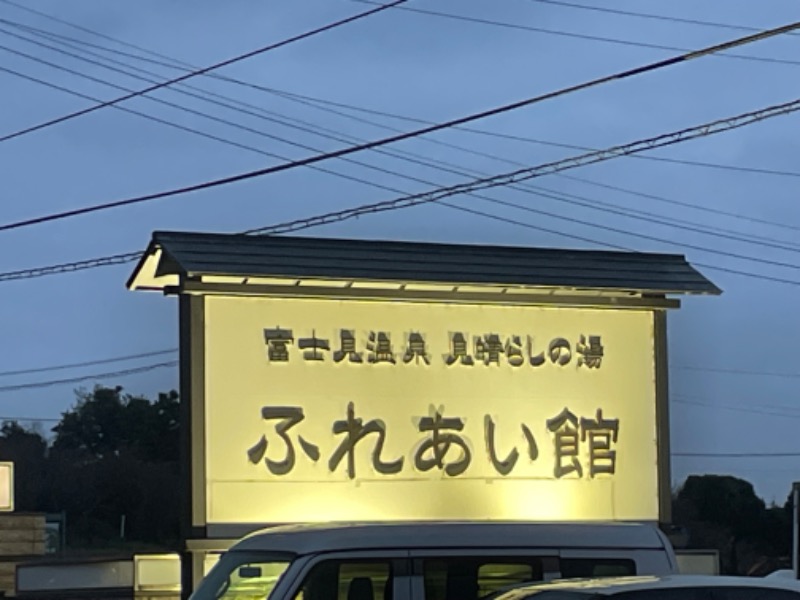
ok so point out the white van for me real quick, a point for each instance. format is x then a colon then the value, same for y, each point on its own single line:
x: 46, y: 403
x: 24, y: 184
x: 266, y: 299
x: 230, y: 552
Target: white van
x: 427, y: 560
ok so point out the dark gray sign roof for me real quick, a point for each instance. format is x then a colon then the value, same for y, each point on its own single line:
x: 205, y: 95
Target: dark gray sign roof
x: 199, y: 254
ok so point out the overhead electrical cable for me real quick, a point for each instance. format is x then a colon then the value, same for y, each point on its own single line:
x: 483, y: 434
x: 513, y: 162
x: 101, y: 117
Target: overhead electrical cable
x: 699, y: 207
x: 305, y: 128
x: 107, y: 375
x: 607, y: 207
x: 325, y: 104
x: 738, y: 371
x: 737, y: 454
x: 195, y: 73
x: 152, y: 77
x: 517, y: 176
x: 794, y: 410
x: 399, y: 137
x: 748, y: 411
x: 494, y: 217
x: 314, y: 129
x: 418, y: 163
x: 195, y: 131
x: 218, y: 120
x: 575, y: 35
x: 8, y: 419
x: 571, y: 198
x: 508, y: 161
x: 88, y: 363
x: 630, y: 13
x: 504, y: 179
x: 78, y: 27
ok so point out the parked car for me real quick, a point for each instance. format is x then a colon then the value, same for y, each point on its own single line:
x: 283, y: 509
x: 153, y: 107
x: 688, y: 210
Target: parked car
x: 669, y: 587
x: 782, y: 574
x: 427, y: 560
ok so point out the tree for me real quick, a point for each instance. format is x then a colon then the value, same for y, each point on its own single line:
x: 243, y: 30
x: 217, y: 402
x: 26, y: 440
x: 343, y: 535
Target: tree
x: 724, y: 512
x: 106, y: 422
x: 112, y: 465
x: 722, y: 500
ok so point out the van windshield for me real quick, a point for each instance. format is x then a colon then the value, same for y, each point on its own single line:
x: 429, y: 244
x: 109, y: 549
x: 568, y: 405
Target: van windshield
x: 243, y: 576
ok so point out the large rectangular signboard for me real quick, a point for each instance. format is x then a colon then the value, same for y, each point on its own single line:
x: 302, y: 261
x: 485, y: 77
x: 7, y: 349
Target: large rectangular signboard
x: 323, y: 409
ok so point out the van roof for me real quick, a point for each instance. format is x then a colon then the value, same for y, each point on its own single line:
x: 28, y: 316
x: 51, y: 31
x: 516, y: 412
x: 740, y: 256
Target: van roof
x: 312, y: 538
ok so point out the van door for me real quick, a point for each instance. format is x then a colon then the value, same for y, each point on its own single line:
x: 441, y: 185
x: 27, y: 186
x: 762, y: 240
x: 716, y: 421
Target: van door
x: 470, y: 574
x: 359, y: 575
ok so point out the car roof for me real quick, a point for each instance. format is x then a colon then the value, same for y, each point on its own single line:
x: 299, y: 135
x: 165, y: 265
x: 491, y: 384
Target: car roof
x: 310, y: 538
x: 611, y: 585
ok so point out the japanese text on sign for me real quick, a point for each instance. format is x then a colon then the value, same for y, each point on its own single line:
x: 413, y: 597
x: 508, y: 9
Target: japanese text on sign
x: 462, y: 349
x: 443, y: 446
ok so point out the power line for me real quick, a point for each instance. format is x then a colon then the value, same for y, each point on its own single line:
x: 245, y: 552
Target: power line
x: 461, y: 172
x: 783, y: 415
x: 650, y: 217
x: 316, y: 130
x: 598, y: 184
x: 88, y: 363
x: 562, y: 197
x: 416, y: 161
x: 737, y: 454
x: 316, y: 102
x: 324, y: 104
x: 202, y: 94
x: 612, y: 208
x: 547, y: 168
x: 664, y: 159
x: 79, y: 27
x: 781, y: 407
x: 476, y: 212
x: 107, y: 375
x: 630, y: 13
x: 197, y: 72
x: 484, y: 183
x: 202, y: 114
x: 592, y: 204
x: 643, y: 236
x: 71, y: 267
x: 494, y: 217
x: 7, y: 419
x: 570, y: 177
x: 658, y: 198
x: 396, y: 138
x: 734, y: 371
x: 573, y: 35
x: 598, y: 205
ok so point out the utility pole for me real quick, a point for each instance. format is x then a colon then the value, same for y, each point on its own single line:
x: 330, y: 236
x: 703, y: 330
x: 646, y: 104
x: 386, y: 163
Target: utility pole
x: 796, y: 529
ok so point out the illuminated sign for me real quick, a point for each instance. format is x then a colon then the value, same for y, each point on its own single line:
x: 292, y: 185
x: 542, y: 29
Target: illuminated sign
x: 328, y: 409
x: 6, y: 486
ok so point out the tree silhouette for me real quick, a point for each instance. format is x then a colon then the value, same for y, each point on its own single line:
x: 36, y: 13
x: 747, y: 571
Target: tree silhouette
x: 112, y: 468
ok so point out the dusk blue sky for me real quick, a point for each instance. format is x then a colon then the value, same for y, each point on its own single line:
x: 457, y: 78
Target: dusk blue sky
x: 734, y: 358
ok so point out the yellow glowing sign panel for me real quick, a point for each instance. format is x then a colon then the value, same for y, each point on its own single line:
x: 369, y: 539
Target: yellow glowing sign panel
x: 6, y: 486
x: 323, y: 410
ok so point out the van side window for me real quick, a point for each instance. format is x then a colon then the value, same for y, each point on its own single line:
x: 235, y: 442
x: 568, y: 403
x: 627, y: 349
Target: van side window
x: 597, y: 567
x: 470, y: 578
x: 347, y: 580
x: 251, y: 580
